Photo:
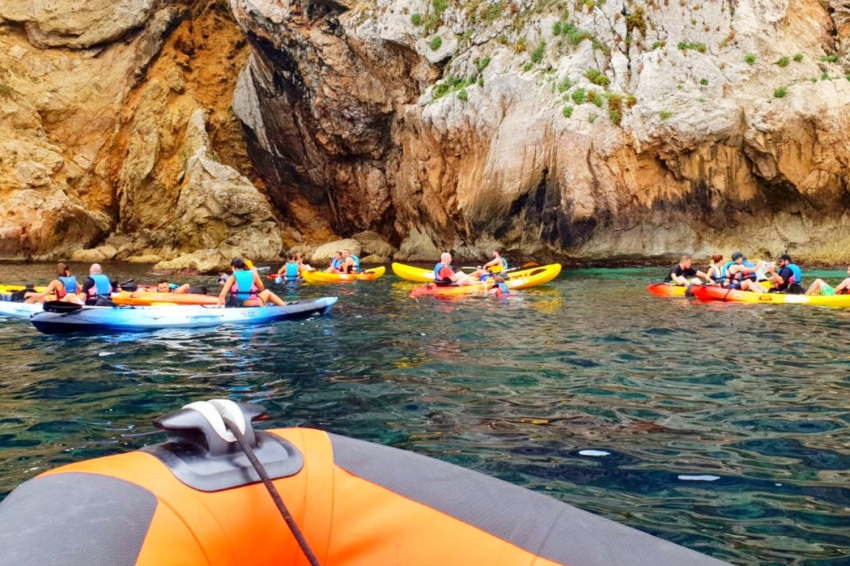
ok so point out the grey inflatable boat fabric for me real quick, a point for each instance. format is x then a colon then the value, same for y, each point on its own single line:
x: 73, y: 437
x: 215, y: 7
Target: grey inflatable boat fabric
x: 75, y: 519
x: 534, y: 522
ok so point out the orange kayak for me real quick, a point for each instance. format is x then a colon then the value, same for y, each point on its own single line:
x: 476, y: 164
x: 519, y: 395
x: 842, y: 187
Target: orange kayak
x: 141, y: 299
x: 194, y: 499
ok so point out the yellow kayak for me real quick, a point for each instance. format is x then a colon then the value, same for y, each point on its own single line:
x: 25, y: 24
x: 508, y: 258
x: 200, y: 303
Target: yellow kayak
x: 16, y: 288
x: 322, y: 277
x: 419, y: 275
x: 518, y: 280
x: 721, y: 294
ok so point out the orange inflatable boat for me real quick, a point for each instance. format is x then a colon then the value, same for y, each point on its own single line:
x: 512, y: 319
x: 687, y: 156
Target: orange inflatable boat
x: 196, y: 500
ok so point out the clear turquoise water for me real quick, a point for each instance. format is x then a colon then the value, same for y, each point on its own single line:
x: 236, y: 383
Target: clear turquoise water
x: 722, y: 427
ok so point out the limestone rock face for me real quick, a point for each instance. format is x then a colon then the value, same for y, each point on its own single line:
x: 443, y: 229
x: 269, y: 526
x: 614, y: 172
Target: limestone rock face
x: 604, y: 129
x: 115, y: 123
x: 79, y: 23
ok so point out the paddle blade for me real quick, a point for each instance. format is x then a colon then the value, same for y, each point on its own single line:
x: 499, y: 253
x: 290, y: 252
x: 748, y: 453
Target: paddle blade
x: 61, y: 307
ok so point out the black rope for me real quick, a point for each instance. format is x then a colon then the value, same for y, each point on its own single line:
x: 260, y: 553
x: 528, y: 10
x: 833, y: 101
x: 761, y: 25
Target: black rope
x: 261, y: 471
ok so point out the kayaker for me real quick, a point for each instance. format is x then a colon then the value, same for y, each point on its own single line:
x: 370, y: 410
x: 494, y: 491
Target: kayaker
x: 97, y: 286
x: 64, y: 284
x: 350, y: 263
x: 301, y: 265
x: 497, y: 260
x: 289, y: 271
x: 245, y: 288
x: 680, y: 273
x: 738, y: 275
x: 336, y: 263
x: 788, y: 279
x: 444, y: 274
x: 715, y: 269
x: 163, y: 286
x: 821, y: 287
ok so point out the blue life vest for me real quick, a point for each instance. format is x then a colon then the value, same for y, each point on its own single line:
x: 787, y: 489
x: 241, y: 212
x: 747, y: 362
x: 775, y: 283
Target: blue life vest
x: 70, y: 283
x: 173, y: 286
x: 244, y: 288
x: 437, y: 278
x: 504, y: 264
x: 725, y: 269
x: 291, y: 272
x: 503, y: 289
x: 102, y: 285
x: 798, y: 273
x: 356, y: 262
x: 748, y: 263
x: 717, y: 276
x: 337, y: 263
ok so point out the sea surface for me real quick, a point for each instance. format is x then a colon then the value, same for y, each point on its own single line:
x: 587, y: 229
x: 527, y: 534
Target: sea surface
x: 722, y: 427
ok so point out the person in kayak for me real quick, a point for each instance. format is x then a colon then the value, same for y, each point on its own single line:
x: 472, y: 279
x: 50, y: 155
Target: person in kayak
x: 738, y: 275
x: 497, y: 260
x: 336, y: 263
x: 715, y: 269
x: 680, y: 273
x: 445, y: 275
x: 289, y: 271
x: 62, y: 286
x: 821, y: 287
x: 96, y: 287
x: 163, y: 286
x: 245, y: 288
x: 350, y: 263
x: 788, y: 279
x: 301, y: 265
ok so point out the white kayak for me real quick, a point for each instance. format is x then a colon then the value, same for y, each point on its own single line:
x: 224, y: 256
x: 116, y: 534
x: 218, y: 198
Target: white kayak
x: 19, y: 310
x: 142, y: 319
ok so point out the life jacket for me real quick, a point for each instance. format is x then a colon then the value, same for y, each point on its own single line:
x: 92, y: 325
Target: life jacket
x: 798, y: 273
x: 70, y: 285
x: 442, y: 280
x: 337, y: 263
x: 717, y: 277
x: 503, y: 289
x: 752, y: 276
x: 102, y: 286
x: 356, y: 262
x: 504, y: 264
x: 291, y: 272
x: 244, y: 280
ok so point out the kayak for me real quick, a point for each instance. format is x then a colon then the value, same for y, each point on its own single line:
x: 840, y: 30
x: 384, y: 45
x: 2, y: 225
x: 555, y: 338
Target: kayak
x: 142, y: 319
x: 322, y: 277
x: 6, y: 289
x: 419, y: 275
x: 668, y: 290
x: 520, y: 280
x: 19, y: 310
x: 195, y: 499
x: 145, y: 298
x: 722, y: 294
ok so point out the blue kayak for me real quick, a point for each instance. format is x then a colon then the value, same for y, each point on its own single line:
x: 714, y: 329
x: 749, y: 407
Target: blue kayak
x: 143, y: 319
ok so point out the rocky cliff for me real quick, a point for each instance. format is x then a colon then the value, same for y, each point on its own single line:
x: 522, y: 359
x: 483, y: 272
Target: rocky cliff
x: 592, y: 129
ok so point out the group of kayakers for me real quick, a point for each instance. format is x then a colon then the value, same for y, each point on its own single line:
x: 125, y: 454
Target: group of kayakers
x: 783, y: 276
x: 66, y: 288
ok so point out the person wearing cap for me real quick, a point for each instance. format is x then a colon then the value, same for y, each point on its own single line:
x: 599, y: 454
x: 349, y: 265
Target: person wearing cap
x: 245, y: 288
x: 789, y: 277
x: 739, y: 274
x: 821, y: 287
x: 679, y: 273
